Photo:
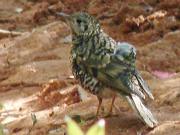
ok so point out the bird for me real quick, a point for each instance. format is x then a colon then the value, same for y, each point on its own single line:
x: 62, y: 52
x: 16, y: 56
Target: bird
x: 102, y: 64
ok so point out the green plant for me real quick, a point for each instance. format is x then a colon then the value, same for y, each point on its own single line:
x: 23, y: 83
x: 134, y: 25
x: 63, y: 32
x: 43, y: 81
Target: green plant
x: 74, y: 129
x: 1, y: 130
x: 1, y: 106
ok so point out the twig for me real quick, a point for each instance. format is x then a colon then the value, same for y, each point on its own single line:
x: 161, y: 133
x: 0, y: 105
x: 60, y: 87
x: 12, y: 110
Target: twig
x: 6, y: 33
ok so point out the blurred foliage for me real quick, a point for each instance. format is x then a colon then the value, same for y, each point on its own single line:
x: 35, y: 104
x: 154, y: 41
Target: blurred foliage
x: 74, y: 129
x: 1, y: 106
x: 1, y: 130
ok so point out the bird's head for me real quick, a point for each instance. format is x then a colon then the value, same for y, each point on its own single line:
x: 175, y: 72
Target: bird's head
x: 81, y: 23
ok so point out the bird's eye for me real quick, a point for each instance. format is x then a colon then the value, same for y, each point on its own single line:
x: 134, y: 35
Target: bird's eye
x: 79, y: 21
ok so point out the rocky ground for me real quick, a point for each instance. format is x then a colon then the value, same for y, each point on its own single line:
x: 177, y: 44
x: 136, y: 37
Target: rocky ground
x: 35, y: 75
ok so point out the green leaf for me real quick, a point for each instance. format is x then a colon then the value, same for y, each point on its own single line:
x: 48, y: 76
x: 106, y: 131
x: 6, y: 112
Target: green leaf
x: 72, y: 127
x: 97, y: 129
x: 1, y: 130
x: 1, y: 106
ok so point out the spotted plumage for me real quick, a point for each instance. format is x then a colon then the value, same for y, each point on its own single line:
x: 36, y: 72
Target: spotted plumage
x: 99, y: 62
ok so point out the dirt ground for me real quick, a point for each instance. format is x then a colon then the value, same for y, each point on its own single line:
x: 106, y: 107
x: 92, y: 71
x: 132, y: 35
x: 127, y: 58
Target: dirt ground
x: 35, y: 71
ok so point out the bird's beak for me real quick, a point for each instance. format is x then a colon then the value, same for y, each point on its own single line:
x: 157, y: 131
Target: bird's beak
x: 65, y: 17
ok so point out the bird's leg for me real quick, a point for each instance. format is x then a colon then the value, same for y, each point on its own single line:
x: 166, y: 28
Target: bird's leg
x: 112, y: 103
x: 99, y: 105
x: 111, y: 106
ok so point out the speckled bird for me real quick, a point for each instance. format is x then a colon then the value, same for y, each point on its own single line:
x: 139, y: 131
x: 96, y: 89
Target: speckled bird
x: 101, y: 64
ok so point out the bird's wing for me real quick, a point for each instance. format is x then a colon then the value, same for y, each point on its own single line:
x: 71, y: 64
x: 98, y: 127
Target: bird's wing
x: 118, y: 71
x: 129, y: 55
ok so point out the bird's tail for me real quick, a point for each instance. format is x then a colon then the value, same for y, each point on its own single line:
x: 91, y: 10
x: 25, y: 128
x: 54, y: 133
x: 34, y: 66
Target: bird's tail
x: 143, y: 112
x: 143, y: 84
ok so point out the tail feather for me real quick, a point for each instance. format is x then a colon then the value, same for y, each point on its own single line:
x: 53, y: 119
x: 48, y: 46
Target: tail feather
x: 143, y: 112
x: 143, y: 84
